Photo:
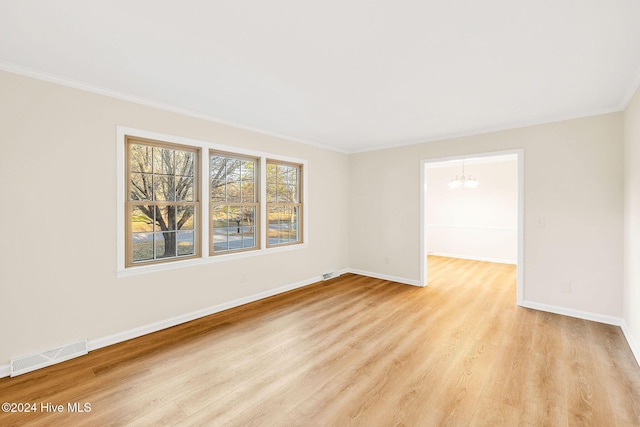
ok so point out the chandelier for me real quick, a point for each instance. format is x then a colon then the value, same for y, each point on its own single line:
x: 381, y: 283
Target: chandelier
x: 463, y: 181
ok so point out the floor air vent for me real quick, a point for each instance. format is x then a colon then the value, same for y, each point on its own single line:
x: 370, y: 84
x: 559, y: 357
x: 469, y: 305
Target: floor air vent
x: 25, y: 364
x: 327, y: 276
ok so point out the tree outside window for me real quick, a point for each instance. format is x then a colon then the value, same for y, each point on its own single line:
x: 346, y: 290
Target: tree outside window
x: 284, y: 207
x: 162, y: 206
x: 234, y: 203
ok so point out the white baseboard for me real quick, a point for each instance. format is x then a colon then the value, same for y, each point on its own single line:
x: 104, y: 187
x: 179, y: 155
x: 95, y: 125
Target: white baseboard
x: 474, y: 258
x: 385, y: 277
x: 635, y: 349
x: 586, y: 315
x: 168, y: 323
x: 94, y: 344
x: 600, y: 318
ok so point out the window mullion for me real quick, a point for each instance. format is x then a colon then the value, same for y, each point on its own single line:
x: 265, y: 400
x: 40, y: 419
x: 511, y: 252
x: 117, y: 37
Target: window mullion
x: 263, y: 203
x: 205, y: 203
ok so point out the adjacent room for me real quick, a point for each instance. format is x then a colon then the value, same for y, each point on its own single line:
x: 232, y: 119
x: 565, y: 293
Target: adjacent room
x: 285, y: 213
x: 472, y: 208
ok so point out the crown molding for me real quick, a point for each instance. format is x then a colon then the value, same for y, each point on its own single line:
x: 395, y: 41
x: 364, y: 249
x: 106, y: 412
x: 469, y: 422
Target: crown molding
x: 88, y: 87
x: 492, y: 129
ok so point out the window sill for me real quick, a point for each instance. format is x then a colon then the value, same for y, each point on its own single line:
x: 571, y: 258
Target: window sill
x: 145, y: 269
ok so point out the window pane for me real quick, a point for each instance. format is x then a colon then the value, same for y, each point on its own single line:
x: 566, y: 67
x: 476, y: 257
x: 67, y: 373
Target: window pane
x: 234, y: 228
x: 185, y: 216
x: 165, y: 244
x: 220, y: 217
x: 287, y: 194
x: 184, y: 163
x: 218, y: 171
x: 272, y: 195
x: 165, y: 218
x: 271, y: 173
x: 184, y: 189
x: 287, y: 175
x: 233, y: 170
x: 164, y: 188
x: 163, y: 160
x: 273, y: 225
x: 168, y: 219
x: 282, y: 184
x: 141, y: 219
x: 218, y: 193
x: 248, y: 228
x: 282, y: 225
x: 220, y: 224
x: 233, y: 192
x: 186, y: 243
x: 289, y: 217
x: 142, y: 246
x: 248, y: 195
x: 218, y: 175
x: 140, y: 158
x: 141, y: 187
x: 280, y: 174
x: 248, y: 171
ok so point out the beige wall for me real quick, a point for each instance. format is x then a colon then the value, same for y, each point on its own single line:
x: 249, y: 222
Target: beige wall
x: 573, y: 178
x: 58, y: 253
x: 632, y: 222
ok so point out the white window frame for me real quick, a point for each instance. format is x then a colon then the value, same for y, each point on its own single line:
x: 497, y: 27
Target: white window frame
x: 205, y: 146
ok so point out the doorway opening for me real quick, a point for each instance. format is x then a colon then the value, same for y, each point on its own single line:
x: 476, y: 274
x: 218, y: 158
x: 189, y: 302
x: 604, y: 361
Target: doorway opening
x: 482, y: 222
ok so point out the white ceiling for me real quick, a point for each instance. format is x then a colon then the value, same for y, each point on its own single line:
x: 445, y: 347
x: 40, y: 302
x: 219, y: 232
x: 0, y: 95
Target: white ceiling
x: 353, y: 75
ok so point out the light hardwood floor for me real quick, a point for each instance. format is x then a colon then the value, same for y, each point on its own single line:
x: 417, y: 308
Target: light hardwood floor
x: 356, y: 351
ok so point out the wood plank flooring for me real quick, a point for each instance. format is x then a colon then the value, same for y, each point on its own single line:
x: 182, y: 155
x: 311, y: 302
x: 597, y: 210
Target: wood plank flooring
x: 355, y: 351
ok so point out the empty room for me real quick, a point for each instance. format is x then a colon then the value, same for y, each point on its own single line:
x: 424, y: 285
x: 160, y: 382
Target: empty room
x: 417, y: 213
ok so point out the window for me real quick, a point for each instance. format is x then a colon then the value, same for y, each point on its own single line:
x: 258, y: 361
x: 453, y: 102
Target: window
x: 162, y: 209
x: 184, y: 202
x: 234, y: 206
x: 284, y: 207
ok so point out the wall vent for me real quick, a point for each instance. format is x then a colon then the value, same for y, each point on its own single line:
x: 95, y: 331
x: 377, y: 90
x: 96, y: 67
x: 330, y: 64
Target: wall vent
x: 22, y: 365
x: 327, y: 276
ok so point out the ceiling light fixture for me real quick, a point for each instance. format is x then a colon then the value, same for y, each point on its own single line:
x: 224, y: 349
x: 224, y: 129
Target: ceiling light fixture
x: 463, y: 181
